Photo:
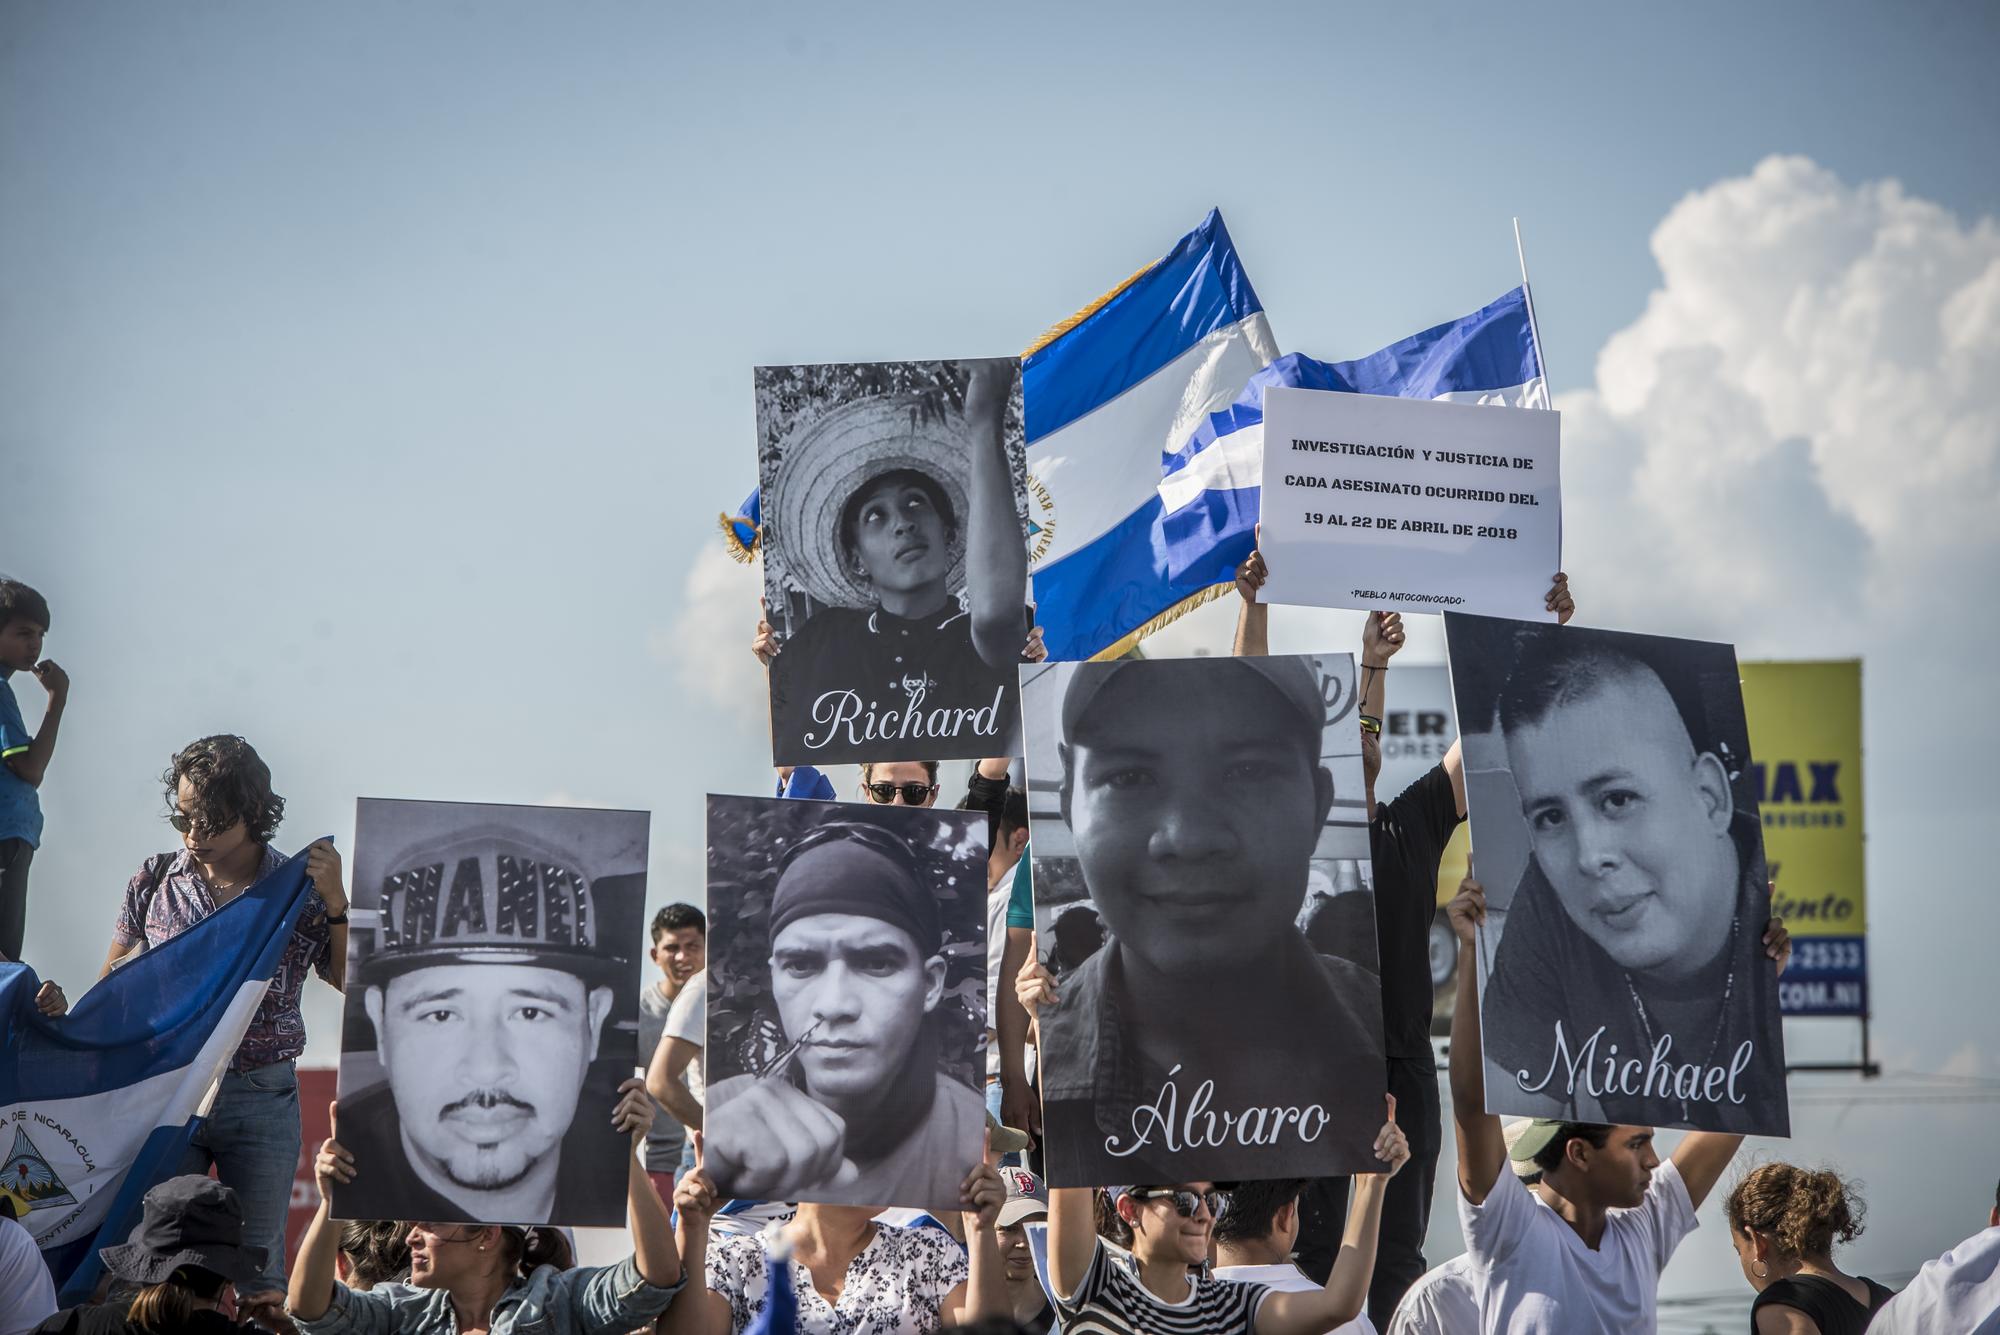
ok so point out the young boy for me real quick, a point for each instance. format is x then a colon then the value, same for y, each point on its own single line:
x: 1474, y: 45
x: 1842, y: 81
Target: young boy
x: 680, y: 948
x: 24, y: 619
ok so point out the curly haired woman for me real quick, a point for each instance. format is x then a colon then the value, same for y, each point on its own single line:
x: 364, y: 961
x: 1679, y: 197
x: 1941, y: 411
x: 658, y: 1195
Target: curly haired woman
x: 1784, y: 1222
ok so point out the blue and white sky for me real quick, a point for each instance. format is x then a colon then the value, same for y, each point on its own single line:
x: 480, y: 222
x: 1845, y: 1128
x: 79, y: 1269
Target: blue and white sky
x: 371, y: 377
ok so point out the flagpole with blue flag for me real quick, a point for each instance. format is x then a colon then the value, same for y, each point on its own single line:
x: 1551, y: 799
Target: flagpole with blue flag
x: 1210, y: 487
x: 97, y: 1106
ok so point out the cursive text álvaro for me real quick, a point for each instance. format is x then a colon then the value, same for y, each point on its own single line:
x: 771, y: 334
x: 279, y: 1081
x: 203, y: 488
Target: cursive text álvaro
x: 1201, y: 1127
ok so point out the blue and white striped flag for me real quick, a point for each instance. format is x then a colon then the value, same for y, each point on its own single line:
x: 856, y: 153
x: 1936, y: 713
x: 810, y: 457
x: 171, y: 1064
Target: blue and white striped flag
x: 1209, y: 494
x: 1106, y: 394
x: 96, y: 1106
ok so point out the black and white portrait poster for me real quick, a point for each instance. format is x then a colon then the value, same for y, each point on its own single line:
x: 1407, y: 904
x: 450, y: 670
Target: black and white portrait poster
x: 846, y: 1002
x: 895, y: 558
x: 492, y: 1009
x: 1615, y: 830
x: 1203, y: 897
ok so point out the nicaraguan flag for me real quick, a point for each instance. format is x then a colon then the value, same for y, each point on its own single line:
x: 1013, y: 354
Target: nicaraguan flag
x: 1209, y: 494
x: 1107, y: 393
x: 96, y: 1106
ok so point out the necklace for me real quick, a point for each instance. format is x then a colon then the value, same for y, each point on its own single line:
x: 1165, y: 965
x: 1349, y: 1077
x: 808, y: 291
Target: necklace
x: 1721, y: 1014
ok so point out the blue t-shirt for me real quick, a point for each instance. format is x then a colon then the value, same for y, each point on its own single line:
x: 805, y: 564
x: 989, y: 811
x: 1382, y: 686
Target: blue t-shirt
x: 20, y: 804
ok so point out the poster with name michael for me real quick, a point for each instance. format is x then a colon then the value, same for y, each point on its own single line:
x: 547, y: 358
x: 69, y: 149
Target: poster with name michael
x: 1204, y: 902
x: 1622, y: 973
x: 1410, y: 505
x: 895, y: 558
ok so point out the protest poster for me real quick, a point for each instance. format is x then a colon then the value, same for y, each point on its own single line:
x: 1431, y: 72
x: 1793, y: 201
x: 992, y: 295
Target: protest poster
x: 895, y: 558
x: 1615, y: 828
x: 1805, y: 730
x: 1409, y: 505
x: 1204, y: 899
x: 846, y: 1002
x: 492, y: 1009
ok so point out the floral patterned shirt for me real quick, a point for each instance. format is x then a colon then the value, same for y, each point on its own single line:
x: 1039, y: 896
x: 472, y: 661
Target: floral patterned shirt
x: 896, y: 1286
x: 277, y: 1031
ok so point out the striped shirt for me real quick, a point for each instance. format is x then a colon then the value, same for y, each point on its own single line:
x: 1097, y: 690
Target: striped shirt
x: 1112, y: 1301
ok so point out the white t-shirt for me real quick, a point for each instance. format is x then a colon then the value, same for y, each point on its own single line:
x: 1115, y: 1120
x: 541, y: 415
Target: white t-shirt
x: 1288, y: 1278
x: 689, y: 1020
x: 1441, y: 1302
x: 996, y: 947
x: 1960, y: 1291
x: 27, y: 1294
x: 1534, y: 1276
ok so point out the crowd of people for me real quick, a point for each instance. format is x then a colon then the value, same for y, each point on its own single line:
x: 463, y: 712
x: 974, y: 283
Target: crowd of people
x: 1567, y: 1225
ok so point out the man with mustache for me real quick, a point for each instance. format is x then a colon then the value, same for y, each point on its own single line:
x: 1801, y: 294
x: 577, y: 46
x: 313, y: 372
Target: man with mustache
x: 488, y: 995
x: 860, y: 1113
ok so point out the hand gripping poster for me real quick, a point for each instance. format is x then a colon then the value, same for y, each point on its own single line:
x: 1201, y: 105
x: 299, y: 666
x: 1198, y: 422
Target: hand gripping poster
x: 492, y: 1011
x: 895, y: 558
x: 1204, y: 905
x: 1623, y: 975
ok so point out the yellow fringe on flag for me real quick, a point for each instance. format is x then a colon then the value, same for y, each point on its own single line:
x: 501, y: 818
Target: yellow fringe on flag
x: 737, y: 551
x: 1180, y: 609
x: 1062, y: 327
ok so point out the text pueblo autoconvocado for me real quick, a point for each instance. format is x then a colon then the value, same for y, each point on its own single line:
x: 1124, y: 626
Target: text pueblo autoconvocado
x: 1409, y: 488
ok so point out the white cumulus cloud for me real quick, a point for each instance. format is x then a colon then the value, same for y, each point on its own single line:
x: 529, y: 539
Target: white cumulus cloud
x: 1797, y: 444
x: 708, y: 643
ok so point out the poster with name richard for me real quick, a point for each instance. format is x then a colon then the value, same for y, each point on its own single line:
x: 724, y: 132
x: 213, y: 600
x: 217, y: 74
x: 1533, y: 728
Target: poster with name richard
x: 1410, y: 505
x: 895, y: 558
x: 1614, y: 809
x: 1204, y: 901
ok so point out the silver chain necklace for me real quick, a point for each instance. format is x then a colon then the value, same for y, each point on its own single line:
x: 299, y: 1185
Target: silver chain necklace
x: 1721, y: 1016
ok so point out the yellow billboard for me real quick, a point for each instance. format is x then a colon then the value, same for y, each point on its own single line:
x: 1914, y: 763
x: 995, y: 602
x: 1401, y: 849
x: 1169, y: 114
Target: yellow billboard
x: 1805, y: 772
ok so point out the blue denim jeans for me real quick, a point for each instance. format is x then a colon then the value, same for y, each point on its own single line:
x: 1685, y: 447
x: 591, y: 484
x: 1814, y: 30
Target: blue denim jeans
x: 252, y: 1137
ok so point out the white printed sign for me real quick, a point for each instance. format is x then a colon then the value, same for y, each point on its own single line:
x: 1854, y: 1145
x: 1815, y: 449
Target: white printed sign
x: 1410, y: 505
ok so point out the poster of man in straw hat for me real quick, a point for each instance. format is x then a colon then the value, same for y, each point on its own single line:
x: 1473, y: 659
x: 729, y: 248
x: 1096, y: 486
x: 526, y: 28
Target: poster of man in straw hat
x: 493, y: 1011
x: 895, y: 558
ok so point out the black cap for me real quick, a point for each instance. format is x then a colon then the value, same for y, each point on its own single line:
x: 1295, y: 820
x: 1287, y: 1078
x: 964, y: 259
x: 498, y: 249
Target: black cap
x: 188, y: 1220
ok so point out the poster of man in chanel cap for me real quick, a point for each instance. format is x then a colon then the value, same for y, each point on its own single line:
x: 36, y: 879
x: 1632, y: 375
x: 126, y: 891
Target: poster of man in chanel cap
x: 1199, y: 806
x: 492, y: 1010
x: 846, y: 1002
x: 1623, y: 974
x: 895, y: 558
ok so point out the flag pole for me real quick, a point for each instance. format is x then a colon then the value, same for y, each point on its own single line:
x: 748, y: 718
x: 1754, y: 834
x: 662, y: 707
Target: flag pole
x: 1534, y: 327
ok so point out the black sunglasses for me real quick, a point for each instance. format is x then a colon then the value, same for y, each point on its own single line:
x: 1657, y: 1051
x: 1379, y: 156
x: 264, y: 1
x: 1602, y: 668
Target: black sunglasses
x: 1186, y: 1202
x: 184, y: 824
x: 914, y: 794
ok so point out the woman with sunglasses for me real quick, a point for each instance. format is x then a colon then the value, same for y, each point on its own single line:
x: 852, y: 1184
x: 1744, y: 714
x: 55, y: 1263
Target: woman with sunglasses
x: 220, y: 801
x: 488, y: 1277
x: 1166, y: 1293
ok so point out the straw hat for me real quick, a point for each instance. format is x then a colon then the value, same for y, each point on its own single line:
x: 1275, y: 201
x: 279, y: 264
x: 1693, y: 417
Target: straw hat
x: 834, y: 454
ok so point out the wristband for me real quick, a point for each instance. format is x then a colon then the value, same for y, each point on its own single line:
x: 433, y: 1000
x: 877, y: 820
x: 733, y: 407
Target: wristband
x: 340, y: 921
x: 1369, y: 723
x: 1376, y: 667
